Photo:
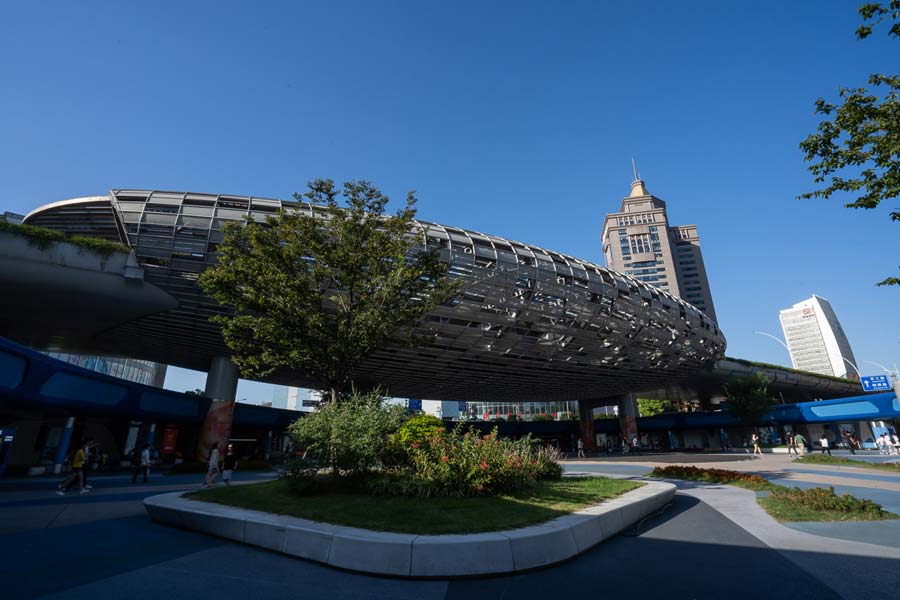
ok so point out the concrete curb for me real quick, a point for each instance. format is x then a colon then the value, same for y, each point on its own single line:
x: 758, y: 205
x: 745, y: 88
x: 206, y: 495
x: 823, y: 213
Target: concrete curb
x: 409, y: 555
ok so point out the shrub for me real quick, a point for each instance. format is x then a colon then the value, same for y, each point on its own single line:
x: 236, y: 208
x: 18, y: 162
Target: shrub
x: 418, y: 430
x: 824, y: 499
x: 467, y: 464
x: 349, y: 436
x: 301, y: 475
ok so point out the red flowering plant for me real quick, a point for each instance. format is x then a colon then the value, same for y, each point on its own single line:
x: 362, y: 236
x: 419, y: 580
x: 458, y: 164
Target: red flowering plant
x: 469, y: 464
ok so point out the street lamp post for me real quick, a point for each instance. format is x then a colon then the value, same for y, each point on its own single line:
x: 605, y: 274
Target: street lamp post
x: 854, y: 367
x: 777, y: 339
x: 895, y: 374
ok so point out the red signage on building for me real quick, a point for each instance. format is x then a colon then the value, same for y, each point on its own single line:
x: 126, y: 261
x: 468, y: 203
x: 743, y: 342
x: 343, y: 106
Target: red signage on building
x: 170, y: 439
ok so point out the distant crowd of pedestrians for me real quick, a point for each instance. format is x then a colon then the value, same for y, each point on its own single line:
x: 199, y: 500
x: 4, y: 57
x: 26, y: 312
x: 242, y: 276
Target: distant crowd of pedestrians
x: 86, y: 454
x: 888, y: 443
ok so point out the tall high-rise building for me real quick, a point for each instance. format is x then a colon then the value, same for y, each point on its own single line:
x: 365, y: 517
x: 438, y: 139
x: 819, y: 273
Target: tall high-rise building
x: 816, y: 340
x: 639, y: 241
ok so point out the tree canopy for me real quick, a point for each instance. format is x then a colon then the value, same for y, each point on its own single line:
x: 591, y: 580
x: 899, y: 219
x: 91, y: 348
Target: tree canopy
x: 649, y: 407
x: 748, y: 397
x: 856, y: 149
x: 321, y: 292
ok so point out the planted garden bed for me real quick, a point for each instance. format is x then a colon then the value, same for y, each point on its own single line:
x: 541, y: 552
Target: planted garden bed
x: 784, y: 503
x: 340, y: 504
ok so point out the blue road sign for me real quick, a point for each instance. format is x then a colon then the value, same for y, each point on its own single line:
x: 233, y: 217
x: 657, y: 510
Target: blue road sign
x: 876, y: 383
x: 414, y: 404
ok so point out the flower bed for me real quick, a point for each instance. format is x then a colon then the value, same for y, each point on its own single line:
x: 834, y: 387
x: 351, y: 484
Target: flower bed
x: 745, y: 480
x: 468, y: 464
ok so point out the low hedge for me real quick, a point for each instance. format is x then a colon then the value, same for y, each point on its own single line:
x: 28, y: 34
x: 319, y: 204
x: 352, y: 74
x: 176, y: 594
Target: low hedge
x: 724, y: 476
x: 794, y: 504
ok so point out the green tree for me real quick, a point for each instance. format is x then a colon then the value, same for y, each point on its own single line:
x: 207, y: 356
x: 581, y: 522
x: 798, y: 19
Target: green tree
x: 349, y: 436
x: 749, y: 398
x: 648, y: 407
x: 861, y: 136
x: 320, y: 293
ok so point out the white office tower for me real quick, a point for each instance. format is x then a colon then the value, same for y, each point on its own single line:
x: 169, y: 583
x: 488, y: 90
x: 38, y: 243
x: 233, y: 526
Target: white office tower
x: 293, y: 398
x: 816, y: 339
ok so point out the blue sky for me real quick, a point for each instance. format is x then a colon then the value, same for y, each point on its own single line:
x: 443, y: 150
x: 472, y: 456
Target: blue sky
x: 514, y: 118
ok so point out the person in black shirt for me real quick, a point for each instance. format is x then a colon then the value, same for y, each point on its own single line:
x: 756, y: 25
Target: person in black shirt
x: 229, y: 464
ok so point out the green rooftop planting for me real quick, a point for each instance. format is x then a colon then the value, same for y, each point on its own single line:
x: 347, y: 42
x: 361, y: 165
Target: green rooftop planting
x: 43, y: 238
x: 762, y: 365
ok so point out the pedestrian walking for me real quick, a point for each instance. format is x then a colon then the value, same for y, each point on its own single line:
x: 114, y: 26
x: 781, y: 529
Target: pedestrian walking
x: 580, y: 446
x: 77, y: 471
x: 853, y: 443
x: 791, y: 444
x: 800, y: 441
x: 212, y: 470
x: 823, y: 441
x: 755, y: 439
x: 142, y: 464
x: 635, y: 443
x: 229, y: 464
x: 89, y: 445
x: 89, y: 458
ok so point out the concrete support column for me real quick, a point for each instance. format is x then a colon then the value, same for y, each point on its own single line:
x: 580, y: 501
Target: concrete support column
x: 221, y: 387
x: 628, y: 414
x: 222, y: 379
x: 151, y: 434
x: 62, y: 448
x: 586, y: 424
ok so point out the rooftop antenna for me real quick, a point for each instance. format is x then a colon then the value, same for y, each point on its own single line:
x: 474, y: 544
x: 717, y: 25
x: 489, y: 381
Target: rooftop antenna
x: 634, y: 169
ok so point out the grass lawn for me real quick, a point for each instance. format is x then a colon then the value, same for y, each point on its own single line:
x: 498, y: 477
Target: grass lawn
x: 823, y: 459
x: 784, y: 503
x: 548, y: 500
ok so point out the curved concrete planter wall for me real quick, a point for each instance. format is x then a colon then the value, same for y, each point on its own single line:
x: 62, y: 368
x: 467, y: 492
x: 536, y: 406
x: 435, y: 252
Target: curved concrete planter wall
x: 409, y: 555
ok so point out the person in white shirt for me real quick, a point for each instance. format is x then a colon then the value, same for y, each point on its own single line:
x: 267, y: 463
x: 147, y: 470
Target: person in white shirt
x: 143, y: 464
x: 825, y: 447
x: 580, y: 445
x: 212, y: 465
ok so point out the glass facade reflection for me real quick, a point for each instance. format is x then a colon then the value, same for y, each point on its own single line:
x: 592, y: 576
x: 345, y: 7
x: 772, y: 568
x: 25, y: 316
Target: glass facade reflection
x: 130, y: 369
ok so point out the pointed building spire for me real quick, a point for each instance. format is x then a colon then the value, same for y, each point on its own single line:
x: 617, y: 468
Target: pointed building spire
x: 637, y: 186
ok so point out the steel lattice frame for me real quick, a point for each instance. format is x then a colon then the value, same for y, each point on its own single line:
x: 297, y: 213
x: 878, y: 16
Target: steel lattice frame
x: 529, y: 323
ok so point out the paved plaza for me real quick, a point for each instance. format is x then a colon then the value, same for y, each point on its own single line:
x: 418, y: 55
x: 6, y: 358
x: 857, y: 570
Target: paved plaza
x: 713, y: 542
